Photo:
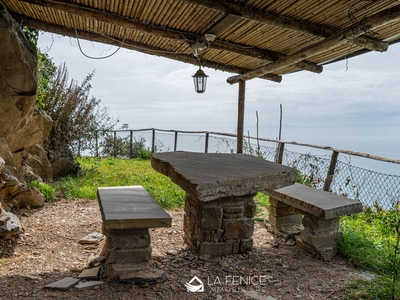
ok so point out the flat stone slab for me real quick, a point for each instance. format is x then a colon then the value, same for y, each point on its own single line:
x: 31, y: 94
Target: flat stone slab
x: 316, y: 202
x: 88, y: 285
x: 63, y: 284
x: 130, y: 207
x: 209, y: 176
x: 92, y: 238
x: 92, y: 273
x: 149, y: 276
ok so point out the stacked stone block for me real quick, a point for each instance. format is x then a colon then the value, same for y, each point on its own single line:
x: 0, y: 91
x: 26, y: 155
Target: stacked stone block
x: 220, y: 227
x: 320, y: 235
x: 128, y: 245
x: 283, y: 218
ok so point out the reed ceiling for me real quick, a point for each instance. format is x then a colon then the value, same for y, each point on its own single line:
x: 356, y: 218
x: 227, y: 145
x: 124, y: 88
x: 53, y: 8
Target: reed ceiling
x: 252, y: 38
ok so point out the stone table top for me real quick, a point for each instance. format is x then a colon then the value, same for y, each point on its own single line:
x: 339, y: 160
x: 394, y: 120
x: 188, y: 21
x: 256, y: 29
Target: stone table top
x: 128, y: 207
x: 209, y: 176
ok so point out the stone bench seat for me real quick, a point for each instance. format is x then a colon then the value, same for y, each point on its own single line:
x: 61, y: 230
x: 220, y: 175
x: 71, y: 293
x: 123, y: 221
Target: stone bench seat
x: 130, y: 207
x: 317, y: 211
x: 127, y: 213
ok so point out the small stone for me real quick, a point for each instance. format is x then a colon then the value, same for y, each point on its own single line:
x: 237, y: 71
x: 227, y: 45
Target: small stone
x: 224, y: 263
x: 290, y: 242
x: 195, y: 272
x: 172, y: 252
x: 92, y: 273
x: 144, y: 277
x: 93, y: 238
x: 205, y: 256
x: 34, y: 278
x: 11, y: 227
x: 88, y: 285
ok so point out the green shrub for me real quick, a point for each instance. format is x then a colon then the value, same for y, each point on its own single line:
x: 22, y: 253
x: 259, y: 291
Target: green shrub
x: 48, y: 191
x: 144, y: 154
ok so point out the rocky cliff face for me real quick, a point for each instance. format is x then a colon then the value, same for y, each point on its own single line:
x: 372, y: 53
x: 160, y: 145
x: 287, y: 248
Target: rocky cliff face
x: 22, y: 126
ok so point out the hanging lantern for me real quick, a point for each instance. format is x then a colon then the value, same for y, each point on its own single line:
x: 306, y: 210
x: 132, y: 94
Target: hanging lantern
x: 200, y: 81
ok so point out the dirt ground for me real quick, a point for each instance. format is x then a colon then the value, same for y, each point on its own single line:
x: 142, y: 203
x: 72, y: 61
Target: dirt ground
x: 48, y: 250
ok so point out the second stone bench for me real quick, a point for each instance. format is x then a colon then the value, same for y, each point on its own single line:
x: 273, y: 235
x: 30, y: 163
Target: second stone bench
x: 314, y: 213
x: 128, y: 212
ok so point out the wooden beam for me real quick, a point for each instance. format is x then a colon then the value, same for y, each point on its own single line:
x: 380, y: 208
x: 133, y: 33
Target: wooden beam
x: 240, y: 124
x: 184, y: 37
x: 359, y: 28
x: 286, y: 23
x: 116, y: 41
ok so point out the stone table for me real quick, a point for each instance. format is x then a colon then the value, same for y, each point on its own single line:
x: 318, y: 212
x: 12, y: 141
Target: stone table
x: 219, y: 204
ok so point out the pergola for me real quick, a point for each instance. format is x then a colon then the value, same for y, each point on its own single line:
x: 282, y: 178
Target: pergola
x: 252, y: 38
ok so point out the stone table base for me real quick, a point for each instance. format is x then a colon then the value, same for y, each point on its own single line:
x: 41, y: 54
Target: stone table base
x: 220, y: 227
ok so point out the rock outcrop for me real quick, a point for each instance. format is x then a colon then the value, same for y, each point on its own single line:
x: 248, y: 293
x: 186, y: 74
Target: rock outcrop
x: 22, y: 126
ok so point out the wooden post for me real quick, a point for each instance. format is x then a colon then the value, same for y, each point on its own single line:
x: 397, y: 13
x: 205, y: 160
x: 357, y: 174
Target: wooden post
x: 176, y: 140
x: 115, y: 144
x: 240, y: 124
x: 206, y: 146
x: 331, y: 171
x: 131, y: 144
x: 97, y: 143
x: 153, y: 142
x: 281, y: 148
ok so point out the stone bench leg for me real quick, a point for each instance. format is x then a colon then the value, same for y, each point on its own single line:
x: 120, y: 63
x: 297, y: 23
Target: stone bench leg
x: 126, y: 250
x: 320, y: 235
x: 219, y: 227
x: 283, y: 218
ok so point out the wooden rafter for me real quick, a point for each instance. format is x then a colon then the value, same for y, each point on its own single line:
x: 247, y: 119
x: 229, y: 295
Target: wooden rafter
x: 370, y: 23
x: 119, y: 42
x: 286, y: 23
x: 184, y: 37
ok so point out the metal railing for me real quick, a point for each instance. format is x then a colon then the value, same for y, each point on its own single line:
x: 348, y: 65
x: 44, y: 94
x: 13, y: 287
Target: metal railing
x: 324, y: 172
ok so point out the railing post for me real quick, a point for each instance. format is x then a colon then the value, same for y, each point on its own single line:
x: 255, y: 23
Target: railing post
x: 206, y: 146
x: 97, y: 143
x: 331, y: 171
x: 79, y: 147
x: 279, y: 157
x: 153, y: 141
x: 175, y: 140
x: 115, y: 144
x: 131, y: 144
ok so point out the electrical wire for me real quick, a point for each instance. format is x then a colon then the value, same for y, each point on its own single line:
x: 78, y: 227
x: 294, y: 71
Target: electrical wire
x: 92, y: 57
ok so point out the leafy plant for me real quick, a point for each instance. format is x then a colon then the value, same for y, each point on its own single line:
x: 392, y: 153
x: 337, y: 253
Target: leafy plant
x: 77, y: 116
x: 48, y: 191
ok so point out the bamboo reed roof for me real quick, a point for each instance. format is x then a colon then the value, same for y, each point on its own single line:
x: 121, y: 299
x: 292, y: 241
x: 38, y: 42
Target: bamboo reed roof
x: 252, y: 38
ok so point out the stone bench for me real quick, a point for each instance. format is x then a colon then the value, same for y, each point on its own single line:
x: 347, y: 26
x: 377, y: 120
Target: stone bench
x: 128, y: 212
x: 314, y: 213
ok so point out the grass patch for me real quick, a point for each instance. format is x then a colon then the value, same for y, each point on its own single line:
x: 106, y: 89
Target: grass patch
x: 262, y: 206
x: 369, y: 242
x: 379, y: 288
x: 120, y: 172
x: 47, y: 190
x: 96, y: 172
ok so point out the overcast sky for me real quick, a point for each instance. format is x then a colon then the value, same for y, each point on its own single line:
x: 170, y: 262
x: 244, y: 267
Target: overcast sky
x: 352, y: 104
